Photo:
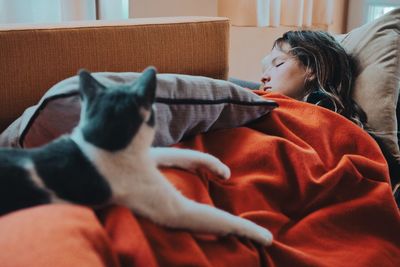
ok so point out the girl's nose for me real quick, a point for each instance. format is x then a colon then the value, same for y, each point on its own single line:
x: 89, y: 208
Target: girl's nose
x: 265, y: 78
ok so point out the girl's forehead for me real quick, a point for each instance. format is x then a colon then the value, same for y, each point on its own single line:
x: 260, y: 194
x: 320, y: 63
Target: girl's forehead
x: 275, y: 54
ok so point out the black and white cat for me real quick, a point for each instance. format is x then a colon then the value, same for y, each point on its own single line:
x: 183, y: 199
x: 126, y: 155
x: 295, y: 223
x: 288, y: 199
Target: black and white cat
x: 108, y: 159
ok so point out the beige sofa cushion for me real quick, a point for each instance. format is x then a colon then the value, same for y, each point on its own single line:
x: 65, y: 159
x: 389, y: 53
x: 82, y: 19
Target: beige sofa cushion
x: 376, y: 46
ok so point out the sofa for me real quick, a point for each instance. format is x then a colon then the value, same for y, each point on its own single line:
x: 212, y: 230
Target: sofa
x: 339, y: 211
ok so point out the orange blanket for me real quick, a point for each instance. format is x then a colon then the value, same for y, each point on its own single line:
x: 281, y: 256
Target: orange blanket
x: 318, y: 182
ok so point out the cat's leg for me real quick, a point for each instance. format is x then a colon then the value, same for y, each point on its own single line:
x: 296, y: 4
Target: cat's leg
x: 187, y: 159
x: 170, y: 208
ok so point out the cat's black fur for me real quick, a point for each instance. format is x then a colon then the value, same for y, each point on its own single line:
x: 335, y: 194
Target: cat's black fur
x: 108, y: 120
x: 62, y: 167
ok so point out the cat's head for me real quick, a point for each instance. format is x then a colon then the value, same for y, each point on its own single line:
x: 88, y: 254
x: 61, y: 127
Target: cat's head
x: 113, y: 117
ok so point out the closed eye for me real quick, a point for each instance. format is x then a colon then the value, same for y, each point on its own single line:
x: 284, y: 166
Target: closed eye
x: 279, y: 64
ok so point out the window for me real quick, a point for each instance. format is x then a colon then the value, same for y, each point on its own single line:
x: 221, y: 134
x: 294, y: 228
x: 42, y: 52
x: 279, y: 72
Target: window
x: 377, y: 8
x: 53, y: 11
x: 364, y: 11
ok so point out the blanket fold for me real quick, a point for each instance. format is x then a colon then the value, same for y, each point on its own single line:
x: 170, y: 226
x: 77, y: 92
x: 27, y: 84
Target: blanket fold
x: 313, y: 178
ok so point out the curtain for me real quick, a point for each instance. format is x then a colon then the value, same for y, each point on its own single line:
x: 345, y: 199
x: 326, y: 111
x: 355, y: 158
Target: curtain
x: 170, y: 8
x: 299, y: 13
x: 52, y: 11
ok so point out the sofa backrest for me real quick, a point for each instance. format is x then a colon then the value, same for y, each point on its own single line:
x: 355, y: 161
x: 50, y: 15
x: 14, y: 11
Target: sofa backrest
x: 35, y: 57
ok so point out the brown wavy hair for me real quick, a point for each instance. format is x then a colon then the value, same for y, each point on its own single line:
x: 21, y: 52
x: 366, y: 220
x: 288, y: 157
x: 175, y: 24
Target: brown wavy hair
x: 333, y: 68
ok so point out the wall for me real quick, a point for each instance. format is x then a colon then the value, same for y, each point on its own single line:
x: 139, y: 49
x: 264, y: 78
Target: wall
x: 340, y: 15
x: 357, y: 11
x: 248, y: 45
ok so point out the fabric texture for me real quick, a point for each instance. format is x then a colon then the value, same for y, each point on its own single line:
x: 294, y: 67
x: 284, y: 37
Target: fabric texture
x: 54, y: 235
x: 35, y: 57
x: 186, y: 105
x: 319, y: 184
x: 376, y: 46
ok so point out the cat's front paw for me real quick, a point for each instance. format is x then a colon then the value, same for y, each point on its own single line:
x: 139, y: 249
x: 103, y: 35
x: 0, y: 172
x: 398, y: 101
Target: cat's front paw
x: 214, y: 165
x: 189, y: 160
x: 264, y: 237
x: 221, y: 170
x: 256, y: 233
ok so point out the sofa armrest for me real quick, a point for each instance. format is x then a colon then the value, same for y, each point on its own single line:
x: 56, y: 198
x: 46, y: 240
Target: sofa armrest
x: 55, y: 235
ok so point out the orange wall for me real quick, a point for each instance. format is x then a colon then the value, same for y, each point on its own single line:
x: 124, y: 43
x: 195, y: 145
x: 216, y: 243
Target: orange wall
x: 249, y: 45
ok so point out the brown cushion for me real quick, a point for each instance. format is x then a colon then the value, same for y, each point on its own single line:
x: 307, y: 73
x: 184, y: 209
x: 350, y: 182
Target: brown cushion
x: 376, y: 46
x: 34, y: 57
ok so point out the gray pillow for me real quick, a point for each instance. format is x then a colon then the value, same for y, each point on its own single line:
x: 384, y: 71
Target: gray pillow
x: 246, y: 84
x: 186, y: 105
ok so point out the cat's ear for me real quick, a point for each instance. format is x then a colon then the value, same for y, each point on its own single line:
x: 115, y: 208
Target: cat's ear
x: 88, y: 85
x: 145, y: 86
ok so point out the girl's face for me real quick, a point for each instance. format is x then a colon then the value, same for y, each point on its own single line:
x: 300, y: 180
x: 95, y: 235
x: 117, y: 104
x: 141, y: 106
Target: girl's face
x: 283, y: 73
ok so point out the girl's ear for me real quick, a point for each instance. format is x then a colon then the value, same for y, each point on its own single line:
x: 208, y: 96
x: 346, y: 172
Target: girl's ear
x: 310, y: 76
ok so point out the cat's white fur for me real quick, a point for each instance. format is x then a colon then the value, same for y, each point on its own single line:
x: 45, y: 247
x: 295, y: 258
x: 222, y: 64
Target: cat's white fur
x: 137, y: 183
